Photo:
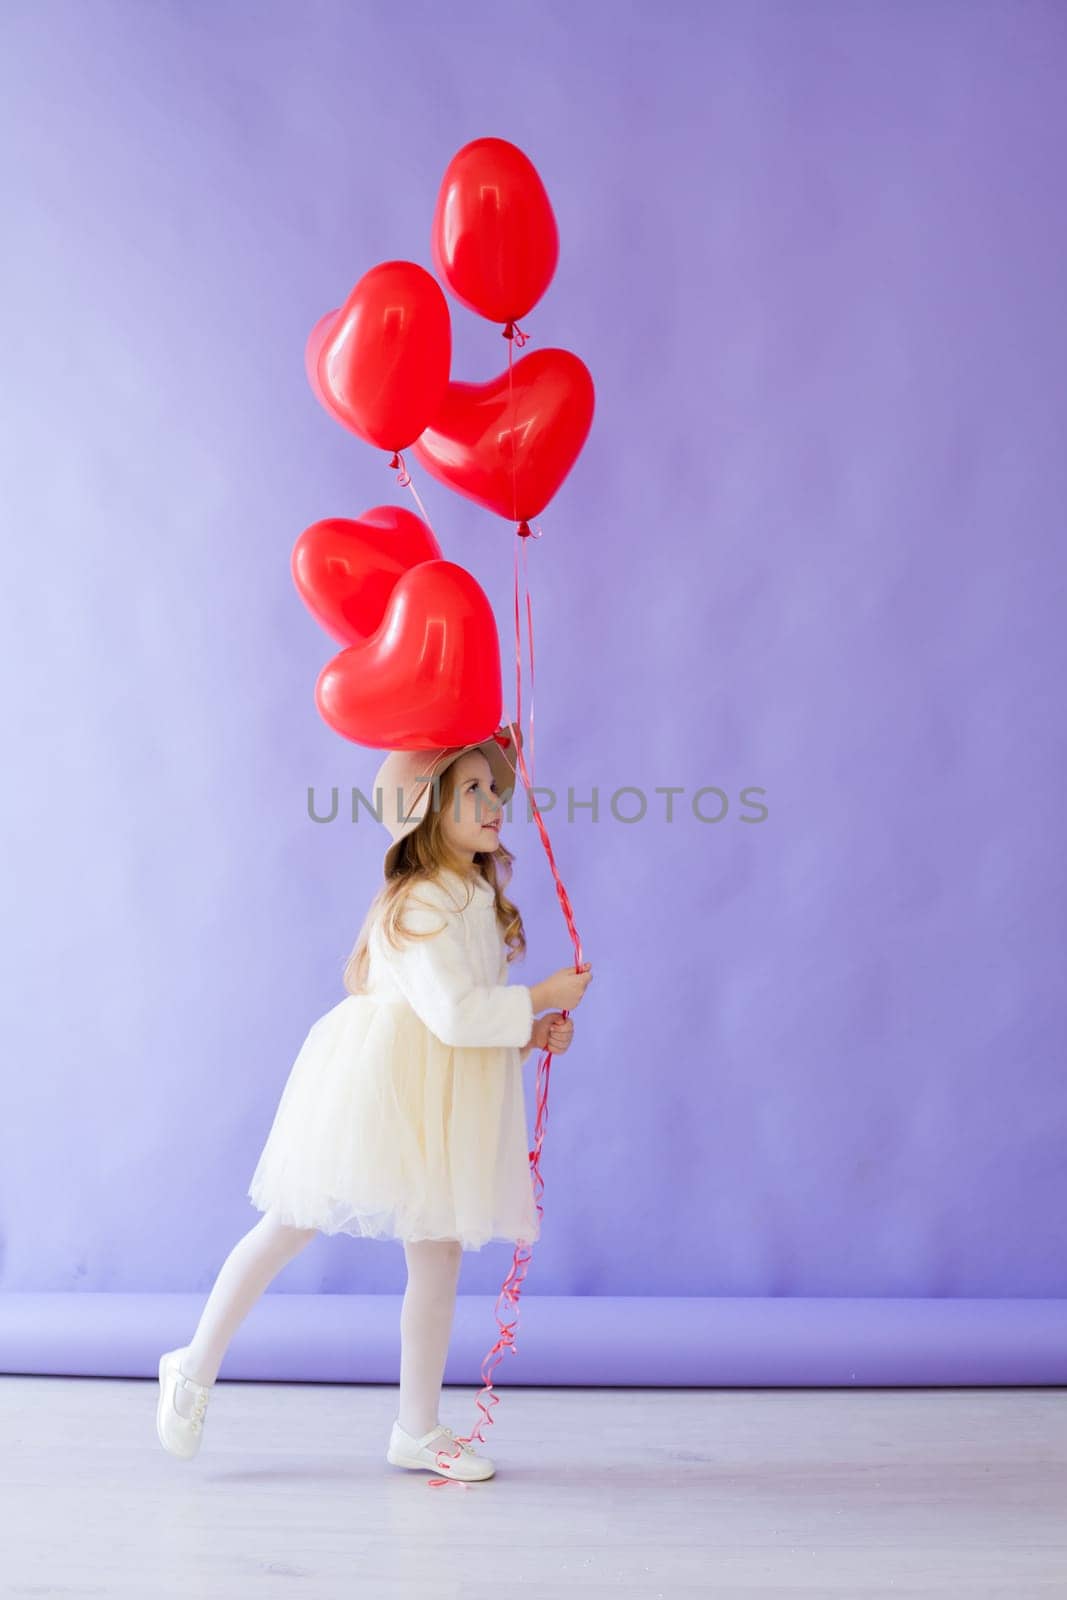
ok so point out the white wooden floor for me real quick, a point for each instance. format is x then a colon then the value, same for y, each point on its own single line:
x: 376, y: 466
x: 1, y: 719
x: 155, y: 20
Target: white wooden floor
x: 626, y: 1492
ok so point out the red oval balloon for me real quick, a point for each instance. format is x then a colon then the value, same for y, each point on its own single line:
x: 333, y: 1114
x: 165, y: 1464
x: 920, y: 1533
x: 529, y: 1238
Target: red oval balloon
x: 346, y: 570
x: 475, y: 436
x: 384, y: 360
x: 494, y: 238
x: 429, y: 677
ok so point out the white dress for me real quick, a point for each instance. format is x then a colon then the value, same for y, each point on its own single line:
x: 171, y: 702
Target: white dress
x: 403, y: 1115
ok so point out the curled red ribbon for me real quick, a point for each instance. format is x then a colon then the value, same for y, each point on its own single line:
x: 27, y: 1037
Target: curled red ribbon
x: 511, y: 1289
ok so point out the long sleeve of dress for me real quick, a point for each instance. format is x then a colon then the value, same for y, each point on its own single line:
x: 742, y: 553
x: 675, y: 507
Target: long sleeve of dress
x: 434, y: 975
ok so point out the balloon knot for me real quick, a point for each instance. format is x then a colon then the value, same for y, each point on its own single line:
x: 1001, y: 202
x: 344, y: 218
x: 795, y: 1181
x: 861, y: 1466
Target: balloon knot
x: 395, y: 461
x: 513, y: 331
x: 523, y: 531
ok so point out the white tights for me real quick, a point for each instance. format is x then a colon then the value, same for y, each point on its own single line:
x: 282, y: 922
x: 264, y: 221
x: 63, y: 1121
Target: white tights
x: 425, y: 1317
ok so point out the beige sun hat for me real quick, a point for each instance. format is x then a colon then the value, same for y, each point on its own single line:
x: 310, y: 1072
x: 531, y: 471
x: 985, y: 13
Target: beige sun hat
x: 406, y: 779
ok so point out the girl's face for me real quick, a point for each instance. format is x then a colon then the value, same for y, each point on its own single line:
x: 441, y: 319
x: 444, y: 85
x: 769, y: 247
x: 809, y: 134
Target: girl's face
x: 471, y: 820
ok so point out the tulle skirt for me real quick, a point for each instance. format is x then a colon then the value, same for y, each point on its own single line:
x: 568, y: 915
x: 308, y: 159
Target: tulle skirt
x: 382, y: 1131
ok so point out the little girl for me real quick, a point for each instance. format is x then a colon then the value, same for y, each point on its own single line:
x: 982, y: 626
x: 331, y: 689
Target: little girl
x: 403, y: 1114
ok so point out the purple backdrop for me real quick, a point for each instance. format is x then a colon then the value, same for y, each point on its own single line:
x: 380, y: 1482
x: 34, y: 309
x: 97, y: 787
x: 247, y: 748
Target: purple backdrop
x: 814, y: 257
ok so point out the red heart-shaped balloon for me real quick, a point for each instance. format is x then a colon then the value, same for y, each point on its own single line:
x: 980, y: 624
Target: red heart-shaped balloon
x: 494, y: 238
x: 381, y: 361
x: 312, y: 351
x: 477, y: 438
x: 429, y: 676
x: 345, y: 570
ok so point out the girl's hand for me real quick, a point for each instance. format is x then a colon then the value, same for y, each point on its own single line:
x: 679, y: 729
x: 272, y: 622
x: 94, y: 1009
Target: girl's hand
x: 566, y: 987
x: 551, y: 1032
x: 560, y: 1033
x: 539, y: 1036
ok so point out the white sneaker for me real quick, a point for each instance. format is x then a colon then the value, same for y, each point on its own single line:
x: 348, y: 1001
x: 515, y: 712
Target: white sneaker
x: 460, y: 1461
x: 179, y: 1434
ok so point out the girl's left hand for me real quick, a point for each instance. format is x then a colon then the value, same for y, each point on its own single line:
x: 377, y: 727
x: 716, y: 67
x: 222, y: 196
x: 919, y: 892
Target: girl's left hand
x: 560, y: 1033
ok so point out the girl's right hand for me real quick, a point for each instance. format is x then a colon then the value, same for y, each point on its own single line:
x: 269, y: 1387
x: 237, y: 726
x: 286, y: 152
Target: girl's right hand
x: 566, y: 987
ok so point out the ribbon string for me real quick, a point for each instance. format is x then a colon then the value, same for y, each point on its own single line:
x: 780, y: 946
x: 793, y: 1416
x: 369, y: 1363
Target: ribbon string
x: 403, y: 478
x: 511, y: 1290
